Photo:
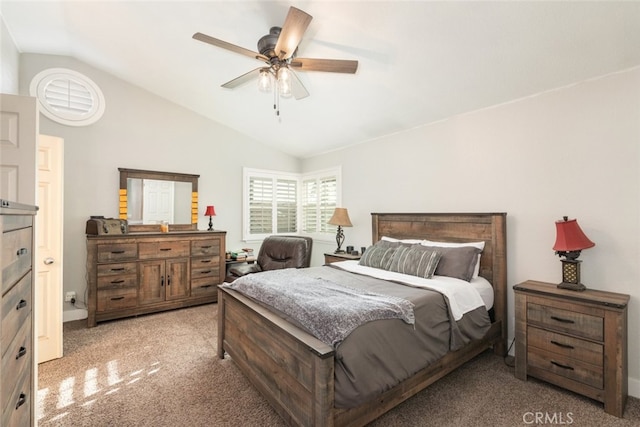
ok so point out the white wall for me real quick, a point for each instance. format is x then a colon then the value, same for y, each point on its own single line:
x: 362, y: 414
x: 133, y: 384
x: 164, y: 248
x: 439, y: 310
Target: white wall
x: 9, y: 59
x: 142, y: 131
x: 574, y: 151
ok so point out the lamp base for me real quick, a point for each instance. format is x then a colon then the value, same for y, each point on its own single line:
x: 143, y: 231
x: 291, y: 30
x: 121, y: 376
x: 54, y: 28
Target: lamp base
x: 339, y: 251
x: 572, y: 286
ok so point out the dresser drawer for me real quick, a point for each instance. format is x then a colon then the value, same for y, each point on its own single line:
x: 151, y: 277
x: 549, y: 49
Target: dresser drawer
x: 571, y: 322
x: 204, y: 286
x: 17, y: 412
x: 116, y: 299
x: 117, y: 269
x: 205, y: 247
x: 16, y: 308
x: 117, y: 252
x: 562, y: 366
x: 574, y: 348
x: 121, y: 281
x: 16, y: 359
x: 169, y: 249
x: 16, y: 255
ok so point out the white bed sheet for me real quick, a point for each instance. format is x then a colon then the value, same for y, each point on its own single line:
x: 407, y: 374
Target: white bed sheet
x: 462, y: 297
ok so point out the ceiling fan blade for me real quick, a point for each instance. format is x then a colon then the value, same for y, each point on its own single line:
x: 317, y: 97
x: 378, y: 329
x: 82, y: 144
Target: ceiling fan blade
x: 232, y: 47
x: 328, y: 65
x: 238, y: 81
x: 297, y: 88
x: 292, y: 31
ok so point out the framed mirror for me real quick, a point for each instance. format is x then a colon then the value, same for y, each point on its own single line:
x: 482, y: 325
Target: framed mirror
x: 147, y: 198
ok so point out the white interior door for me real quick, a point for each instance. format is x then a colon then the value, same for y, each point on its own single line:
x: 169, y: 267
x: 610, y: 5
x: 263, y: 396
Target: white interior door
x: 18, y: 135
x: 158, y: 201
x: 48, y: 263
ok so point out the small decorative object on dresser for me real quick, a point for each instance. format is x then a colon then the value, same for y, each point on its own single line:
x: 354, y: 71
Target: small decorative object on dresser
x: 335, y: 257
x: 570, y: 241
x: 17, y: 388
x: 577, y: 341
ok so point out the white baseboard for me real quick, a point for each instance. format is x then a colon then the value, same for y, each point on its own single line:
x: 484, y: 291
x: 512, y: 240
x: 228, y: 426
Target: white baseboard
x: 75, y: 314
x: 634, y: 387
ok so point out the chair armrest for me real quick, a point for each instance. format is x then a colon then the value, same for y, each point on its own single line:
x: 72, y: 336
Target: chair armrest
x: 244, y: 269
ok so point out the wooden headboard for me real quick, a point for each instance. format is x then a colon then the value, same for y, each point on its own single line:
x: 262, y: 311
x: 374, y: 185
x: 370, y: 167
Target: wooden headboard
x: 458, y: 227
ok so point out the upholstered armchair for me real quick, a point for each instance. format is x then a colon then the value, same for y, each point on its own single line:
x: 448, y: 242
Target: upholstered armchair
x: 278, y: 252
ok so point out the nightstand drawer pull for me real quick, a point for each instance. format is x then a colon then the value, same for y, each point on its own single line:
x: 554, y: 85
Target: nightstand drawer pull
x: 560, y: 365
x: 205, y: 272
x: 559, y: 344
x: 560, y: 319
x: 116, y: 298
x: 165, y: 249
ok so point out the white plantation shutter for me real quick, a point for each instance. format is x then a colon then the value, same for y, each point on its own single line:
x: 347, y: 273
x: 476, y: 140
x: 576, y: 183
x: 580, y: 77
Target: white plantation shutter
x: 285, y: 203
x: 260, y: 205
x: 68, y: 97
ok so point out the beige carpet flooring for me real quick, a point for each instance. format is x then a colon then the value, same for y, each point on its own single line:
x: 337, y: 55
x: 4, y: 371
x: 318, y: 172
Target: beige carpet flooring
x: 162, y: 370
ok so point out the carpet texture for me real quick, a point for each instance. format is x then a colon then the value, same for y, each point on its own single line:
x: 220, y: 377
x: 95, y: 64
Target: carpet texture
x: 162, y: 370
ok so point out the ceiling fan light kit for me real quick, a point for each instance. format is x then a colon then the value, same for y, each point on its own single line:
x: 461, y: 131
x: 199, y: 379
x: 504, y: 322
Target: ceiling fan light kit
x: 278, y: 50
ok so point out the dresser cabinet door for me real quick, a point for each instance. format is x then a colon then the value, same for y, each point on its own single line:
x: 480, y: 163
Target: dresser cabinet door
x: 177, y: 278
x: 152, y: 282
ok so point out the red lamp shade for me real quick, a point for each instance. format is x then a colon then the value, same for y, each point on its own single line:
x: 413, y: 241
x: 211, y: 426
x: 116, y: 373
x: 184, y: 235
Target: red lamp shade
x: 569, y: 237
x: 211, y: 211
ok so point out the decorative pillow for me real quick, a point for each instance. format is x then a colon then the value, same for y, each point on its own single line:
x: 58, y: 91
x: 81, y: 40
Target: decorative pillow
x: 415, y: 260
x: 379, y: 255
x: 457, y: 262
x: 479, y: 245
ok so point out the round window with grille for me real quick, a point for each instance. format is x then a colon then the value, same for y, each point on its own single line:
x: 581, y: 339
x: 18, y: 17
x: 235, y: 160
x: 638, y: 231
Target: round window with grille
x: 68, y: 97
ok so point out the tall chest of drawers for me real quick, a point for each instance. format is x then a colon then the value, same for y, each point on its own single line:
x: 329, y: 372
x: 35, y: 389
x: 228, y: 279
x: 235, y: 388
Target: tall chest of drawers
x: 140, y: 273
x: 574, y: 339
x: 17, y: 388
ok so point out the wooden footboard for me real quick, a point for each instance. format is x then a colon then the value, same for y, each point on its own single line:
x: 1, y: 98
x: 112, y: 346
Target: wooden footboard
x: 291, y: 368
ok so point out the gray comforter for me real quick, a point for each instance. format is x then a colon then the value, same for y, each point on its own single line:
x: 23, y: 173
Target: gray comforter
x: 380, y: 353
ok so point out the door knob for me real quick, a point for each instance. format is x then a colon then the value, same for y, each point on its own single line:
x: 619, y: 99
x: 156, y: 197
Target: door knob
x: 49, y: 261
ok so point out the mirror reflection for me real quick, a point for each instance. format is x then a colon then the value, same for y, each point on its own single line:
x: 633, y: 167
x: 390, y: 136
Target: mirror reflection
x: 151, y: 201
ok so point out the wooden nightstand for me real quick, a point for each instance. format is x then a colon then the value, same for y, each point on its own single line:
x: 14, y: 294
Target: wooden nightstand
x: 575, y: 340
x: 330, y: 257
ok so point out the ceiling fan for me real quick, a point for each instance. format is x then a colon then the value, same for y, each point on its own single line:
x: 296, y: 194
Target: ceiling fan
x: 278, y: 50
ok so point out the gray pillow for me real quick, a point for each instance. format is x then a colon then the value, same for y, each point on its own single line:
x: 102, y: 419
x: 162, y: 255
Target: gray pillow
x: 457, y: 262
x: 416, y: 260
x: 379, y: 255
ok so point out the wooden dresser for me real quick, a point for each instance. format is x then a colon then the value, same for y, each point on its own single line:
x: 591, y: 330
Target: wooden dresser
x: 140, y: 273
x: 575, y: 340
x: 17, y: 388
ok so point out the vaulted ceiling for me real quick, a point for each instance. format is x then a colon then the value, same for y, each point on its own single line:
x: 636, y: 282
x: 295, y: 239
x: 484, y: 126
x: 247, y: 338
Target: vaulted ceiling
x: 419, y: 61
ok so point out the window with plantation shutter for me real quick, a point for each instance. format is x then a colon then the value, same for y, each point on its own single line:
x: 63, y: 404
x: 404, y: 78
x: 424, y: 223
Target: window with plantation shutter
x: 285, y: 203
x: 68, y: 97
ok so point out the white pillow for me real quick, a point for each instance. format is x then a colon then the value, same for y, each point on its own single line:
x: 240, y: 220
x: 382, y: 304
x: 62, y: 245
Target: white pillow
x: 407, y: 241
x: 479, y: 245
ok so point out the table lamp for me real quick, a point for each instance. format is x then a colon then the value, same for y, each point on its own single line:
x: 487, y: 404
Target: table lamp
x: 341, y: 219
x: 570, y: 240
x: 211, y: 211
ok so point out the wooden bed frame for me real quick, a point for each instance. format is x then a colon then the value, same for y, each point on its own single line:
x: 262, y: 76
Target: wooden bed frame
x: 295, y: 371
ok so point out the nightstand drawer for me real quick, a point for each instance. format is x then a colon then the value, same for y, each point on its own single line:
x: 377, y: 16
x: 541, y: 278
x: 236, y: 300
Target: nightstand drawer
x: 566, y: 367
x: 579, y: 324
x: 574, y: 348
